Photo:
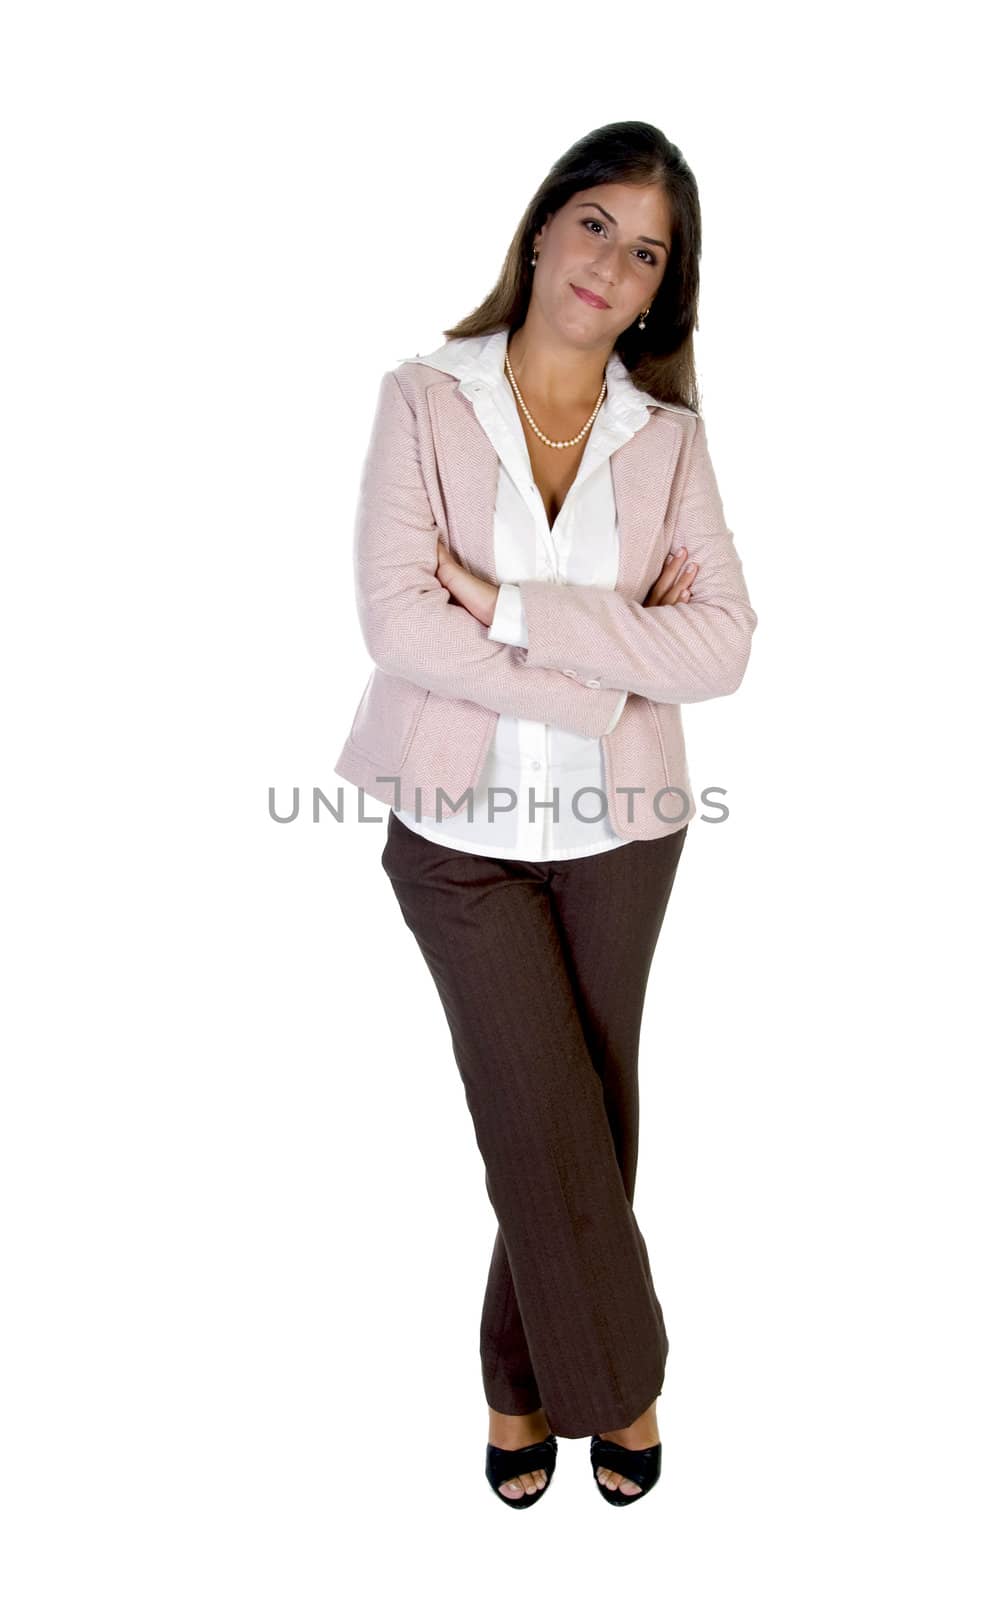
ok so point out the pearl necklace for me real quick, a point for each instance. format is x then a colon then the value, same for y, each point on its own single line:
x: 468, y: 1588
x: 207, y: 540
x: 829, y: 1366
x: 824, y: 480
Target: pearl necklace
x: 555, y: 444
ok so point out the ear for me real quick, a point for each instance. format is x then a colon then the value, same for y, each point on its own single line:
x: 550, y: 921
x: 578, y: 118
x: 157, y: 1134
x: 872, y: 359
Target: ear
x: 537, y: 238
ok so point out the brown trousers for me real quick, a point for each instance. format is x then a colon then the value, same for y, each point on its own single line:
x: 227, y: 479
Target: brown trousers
x: 542, y: 970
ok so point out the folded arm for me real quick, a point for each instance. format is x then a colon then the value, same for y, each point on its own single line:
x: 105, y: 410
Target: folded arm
x: 670, y: 654
x: 509, y: 626
x: 410, y: 623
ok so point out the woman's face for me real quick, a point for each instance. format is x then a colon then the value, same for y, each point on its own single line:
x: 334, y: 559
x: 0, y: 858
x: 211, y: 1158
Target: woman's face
x: 614, y: 241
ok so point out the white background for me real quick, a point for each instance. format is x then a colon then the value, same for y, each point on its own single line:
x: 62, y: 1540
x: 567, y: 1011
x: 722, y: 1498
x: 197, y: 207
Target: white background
x: 245, y: 1233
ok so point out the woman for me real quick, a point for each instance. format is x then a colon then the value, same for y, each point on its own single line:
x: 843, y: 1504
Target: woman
x: 554, y: 440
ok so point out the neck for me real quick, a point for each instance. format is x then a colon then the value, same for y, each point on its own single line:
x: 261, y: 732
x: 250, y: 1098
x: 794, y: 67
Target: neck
x: 554, y: 375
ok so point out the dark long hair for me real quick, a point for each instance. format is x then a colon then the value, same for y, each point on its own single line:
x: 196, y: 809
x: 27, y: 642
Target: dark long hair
x: 660, y: 357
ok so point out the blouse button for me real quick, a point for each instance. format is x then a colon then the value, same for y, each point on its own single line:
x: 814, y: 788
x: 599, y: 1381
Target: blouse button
x: 568, y: 672
x: 593, y: 683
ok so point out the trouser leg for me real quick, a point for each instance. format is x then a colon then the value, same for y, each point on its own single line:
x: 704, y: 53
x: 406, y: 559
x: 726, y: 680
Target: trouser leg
x: 577, y: 1290
x: 506, y: 1366
x: 610, y: 910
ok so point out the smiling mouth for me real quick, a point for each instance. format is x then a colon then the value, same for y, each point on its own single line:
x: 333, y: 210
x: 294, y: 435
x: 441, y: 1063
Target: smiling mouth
x: 590, y: 298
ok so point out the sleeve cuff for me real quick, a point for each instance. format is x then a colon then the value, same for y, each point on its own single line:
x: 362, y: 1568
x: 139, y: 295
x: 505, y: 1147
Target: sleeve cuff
x: 508, y: 624
x: 618, y: 711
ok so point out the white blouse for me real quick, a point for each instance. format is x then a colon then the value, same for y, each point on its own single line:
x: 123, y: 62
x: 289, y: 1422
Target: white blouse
x: 538, y: 769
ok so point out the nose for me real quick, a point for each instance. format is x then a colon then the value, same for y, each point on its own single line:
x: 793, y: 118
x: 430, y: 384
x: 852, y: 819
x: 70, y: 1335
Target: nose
x: 604, y: 265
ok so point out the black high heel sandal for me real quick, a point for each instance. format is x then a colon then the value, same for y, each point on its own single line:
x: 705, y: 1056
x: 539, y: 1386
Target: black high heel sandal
x: 501, y: 1465
x: 642, y: 1466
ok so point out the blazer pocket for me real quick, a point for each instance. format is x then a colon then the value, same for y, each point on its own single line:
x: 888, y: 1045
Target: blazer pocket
x: 386, y: 720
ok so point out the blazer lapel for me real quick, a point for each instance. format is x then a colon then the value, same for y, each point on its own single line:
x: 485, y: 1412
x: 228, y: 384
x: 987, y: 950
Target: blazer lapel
x: 642, y: 472
x: 467, y: 464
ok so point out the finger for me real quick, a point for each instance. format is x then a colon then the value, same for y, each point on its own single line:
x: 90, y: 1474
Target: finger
x: 681, y: 586
x: 669, y: 575
x: 671, y: 568
x: 656, y: 593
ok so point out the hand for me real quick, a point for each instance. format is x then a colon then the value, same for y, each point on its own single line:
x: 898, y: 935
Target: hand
x: 673, y: 583
x: 476, y: 595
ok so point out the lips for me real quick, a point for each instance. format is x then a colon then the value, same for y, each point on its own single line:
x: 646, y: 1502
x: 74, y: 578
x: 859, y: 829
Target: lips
x: 590, y: 299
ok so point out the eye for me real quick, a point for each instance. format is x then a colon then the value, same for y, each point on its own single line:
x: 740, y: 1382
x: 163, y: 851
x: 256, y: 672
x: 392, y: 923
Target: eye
x: 592, y: 222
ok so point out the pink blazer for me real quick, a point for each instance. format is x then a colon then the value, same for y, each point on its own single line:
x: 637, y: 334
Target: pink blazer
x: 429, y: 708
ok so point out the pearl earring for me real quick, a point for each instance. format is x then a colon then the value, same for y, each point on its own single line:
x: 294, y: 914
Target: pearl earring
x: 642, y: 317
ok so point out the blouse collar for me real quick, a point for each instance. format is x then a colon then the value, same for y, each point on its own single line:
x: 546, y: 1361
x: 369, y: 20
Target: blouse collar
x: 479, y: 363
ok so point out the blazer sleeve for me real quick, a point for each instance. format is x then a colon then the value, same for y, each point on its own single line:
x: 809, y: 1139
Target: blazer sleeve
x: 411, y: 625
x: 695, y: 650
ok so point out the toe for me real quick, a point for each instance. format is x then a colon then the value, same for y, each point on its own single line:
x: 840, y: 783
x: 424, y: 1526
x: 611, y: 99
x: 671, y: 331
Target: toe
x: 614, y: 1480
x: 511, y: 1489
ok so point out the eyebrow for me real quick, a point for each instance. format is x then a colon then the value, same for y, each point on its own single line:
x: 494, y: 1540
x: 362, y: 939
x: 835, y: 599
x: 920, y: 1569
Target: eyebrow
x: 661, y: 242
